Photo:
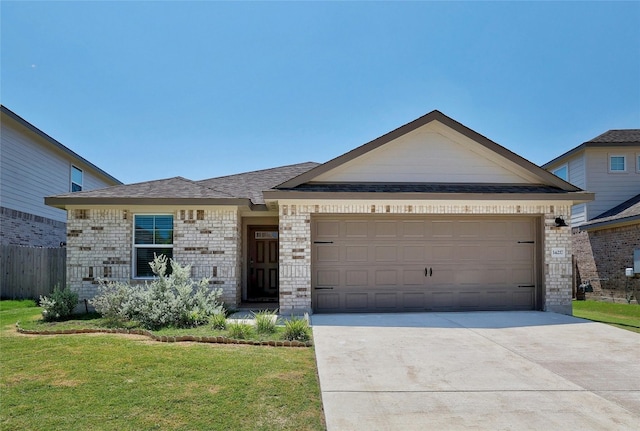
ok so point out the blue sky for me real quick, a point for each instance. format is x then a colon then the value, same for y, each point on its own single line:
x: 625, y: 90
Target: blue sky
x: 150, y: 90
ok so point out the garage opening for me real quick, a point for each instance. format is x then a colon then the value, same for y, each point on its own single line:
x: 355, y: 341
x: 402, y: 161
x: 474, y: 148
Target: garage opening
x: 428, y: 263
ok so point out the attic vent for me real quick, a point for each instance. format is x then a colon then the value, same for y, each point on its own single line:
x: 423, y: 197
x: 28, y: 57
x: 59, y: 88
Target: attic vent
x: 81, y: 214
x: 266, y: 235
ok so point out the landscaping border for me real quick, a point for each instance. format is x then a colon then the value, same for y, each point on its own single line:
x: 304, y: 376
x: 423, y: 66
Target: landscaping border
x: 165, y: 338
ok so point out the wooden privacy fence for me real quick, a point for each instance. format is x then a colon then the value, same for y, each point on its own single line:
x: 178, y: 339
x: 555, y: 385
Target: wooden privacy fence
x: 28, y: 272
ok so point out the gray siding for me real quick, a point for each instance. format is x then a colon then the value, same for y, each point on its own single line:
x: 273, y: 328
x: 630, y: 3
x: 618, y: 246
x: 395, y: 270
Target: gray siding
x: 611, y: 189
x: 577, y: 171
x: 31, y: 169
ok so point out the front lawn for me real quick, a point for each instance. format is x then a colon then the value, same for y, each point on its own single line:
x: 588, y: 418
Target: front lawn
x: 626, y: 316
x: 124, y: 382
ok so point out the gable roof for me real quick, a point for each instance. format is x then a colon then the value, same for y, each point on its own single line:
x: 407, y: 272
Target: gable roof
x: 57, y: 145
x: 610, y: 138
x: 239, y: 189
x: 531, y: 182
x: 531, y: 169
x: 626, y: 213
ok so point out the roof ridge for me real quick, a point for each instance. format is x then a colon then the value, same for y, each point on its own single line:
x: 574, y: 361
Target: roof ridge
x: 258, y: 171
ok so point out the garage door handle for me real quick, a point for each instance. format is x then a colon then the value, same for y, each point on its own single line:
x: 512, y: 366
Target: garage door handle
x: 323, y: 288
x: 527, y: 285
x: 428, y: 272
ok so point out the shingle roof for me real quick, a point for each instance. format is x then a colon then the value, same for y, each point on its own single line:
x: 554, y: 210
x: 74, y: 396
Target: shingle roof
x: 252, y: 184
x: 618, y: 136
x: 176, y: 187
x: 231, y: 189
x: 610, y: 138
x: 627, y: 211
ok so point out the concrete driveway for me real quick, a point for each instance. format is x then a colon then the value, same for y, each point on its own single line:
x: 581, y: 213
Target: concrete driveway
x: 476, y: 371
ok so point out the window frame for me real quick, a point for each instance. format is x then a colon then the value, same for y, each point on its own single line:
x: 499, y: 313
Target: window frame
x: 617, y: 171
x: 563, y: 166
x: 73, y: 182
x: 135, y: 247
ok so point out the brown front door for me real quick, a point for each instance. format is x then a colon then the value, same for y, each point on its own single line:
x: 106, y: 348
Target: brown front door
x: 262, y: 264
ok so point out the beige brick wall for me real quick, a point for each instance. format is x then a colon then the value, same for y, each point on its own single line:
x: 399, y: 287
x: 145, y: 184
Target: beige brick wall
x: 295, y: 243
x: 99, y: 246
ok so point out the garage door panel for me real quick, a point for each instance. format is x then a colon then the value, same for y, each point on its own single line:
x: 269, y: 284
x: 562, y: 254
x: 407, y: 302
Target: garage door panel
x: 413, y: 253
x: 413, y: 300
x: 358, y: 253
x: 470, y: 252
x: 442, y: 252
x: 329, y: 301
x: 441, y: 301
x: 356, y: 229
x: 357, y: 277
x: 326, y: 229
x: 356, y: 301
x: 425, y: 263
x: 328, y: 277
x: 413, y: 229
x: 386, y: 301
x: 523, y: 298
x: 386, y: 277
x: 442, y: 229
x: 386, y: 229
x: 413, y: 277
x: 327, y: 254
x: 385, y: 253
x: 469, y: 229
x: 497, y: 229
x: 470, y: 299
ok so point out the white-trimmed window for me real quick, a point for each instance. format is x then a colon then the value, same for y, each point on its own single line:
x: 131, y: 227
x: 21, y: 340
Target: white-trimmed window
x: 617, y: 163
x: 562, y: 172
x: 152, y: 234
x: 76, y: 179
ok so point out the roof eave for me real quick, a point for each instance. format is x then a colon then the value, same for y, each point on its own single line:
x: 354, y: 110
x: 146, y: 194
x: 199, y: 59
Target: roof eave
x: 63, y: 202
x: 610, y: 223
x: 573, y: 197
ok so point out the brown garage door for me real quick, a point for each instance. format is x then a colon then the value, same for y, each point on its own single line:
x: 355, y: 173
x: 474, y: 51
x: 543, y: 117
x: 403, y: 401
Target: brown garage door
x: 374, y: 264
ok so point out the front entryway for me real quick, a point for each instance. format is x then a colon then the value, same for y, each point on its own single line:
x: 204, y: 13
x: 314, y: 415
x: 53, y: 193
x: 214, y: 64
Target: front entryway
x: 262, y: 264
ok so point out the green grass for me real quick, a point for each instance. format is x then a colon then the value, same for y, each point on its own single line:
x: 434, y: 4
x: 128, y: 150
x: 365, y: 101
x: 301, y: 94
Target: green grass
x: 118, y: 382
x: 626, y: 316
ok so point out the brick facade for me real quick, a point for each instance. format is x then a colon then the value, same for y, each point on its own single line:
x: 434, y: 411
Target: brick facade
x: 20, y: 228
x: 100, y: 246
x: 602, y: 256
x: 295, y: 244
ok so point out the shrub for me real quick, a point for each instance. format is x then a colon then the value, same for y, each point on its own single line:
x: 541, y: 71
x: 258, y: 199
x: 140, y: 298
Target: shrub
x: 59, y: 305
x: 219, y: 321
x: 110, y: 300
x: 169, y: 300
x: 265, y: 321
x: 239, y: 330
x: 297, y: 329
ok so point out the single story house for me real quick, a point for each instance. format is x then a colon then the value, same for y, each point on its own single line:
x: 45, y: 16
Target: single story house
x: 430, y: 216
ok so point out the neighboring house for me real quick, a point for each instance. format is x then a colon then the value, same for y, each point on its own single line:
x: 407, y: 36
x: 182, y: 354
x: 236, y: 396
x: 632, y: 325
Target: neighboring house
x: 430, y: 216
x: 606, y: 231
x: 34, y: 165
